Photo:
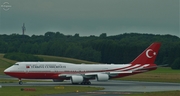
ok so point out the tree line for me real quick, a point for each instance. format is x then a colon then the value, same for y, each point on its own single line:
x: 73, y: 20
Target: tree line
x: 122, y: 48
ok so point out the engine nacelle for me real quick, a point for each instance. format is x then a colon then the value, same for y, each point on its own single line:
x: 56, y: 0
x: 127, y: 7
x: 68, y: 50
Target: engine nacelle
x: 102, y: 77
x: 58, y: 80
x: 77, y: 79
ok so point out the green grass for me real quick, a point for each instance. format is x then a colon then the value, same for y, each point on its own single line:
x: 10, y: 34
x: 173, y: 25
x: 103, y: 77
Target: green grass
x: 42, y: 90
x: 24, y: 80
x: 164, y: 70
x: 162, y: 74
x: 5, y: 63
x: 163, y: 93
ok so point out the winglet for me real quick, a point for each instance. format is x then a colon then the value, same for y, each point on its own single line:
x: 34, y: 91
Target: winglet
x: 148, y: 56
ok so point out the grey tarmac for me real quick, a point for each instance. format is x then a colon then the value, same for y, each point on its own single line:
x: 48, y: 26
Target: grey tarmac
x: 111, y: 87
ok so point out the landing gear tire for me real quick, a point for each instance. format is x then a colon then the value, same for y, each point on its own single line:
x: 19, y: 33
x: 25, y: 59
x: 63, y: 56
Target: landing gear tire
x: 89, y: 83
x: 86, y: 83
x: 20, y: 82
x: 82, y: 83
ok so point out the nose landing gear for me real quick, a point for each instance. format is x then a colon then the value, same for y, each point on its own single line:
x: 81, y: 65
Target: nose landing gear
x: 20, y: 82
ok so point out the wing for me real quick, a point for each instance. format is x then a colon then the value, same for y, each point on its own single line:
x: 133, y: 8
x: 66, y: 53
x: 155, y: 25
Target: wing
x: 94, y: 74
x: 108, y: 74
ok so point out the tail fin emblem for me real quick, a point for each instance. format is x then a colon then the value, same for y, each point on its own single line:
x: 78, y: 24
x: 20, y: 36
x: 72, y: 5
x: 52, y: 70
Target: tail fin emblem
x: 147, y: 53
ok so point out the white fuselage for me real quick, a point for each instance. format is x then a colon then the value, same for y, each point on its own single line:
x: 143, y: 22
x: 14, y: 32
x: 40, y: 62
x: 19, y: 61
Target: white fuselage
x: 63, y: 67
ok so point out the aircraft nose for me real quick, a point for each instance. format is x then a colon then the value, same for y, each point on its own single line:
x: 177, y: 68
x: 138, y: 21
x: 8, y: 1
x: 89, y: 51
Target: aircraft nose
x: 6, y: 70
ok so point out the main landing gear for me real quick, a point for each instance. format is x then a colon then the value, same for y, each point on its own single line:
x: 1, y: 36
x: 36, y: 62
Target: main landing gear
x: 20, y: 82
x: 83, y: 83
x: 86, y: 83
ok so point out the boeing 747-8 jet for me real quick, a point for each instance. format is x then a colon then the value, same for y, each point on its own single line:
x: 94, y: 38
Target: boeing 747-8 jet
x: 83, y: 73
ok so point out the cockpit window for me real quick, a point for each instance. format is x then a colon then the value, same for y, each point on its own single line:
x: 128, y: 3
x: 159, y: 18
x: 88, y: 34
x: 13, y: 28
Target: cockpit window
x: 16, y: 64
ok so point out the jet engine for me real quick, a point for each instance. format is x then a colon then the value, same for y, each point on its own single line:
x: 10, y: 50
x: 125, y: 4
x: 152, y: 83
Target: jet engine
x: 77, y: 79
x: 102, y: 77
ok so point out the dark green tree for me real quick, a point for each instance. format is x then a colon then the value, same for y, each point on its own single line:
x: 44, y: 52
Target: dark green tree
x: 176, y: 63
x: 122, y: 48
x: 103, y: 35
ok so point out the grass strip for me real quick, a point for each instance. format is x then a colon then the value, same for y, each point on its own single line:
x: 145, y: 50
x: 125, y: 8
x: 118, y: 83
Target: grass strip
x: 163, y: 93
x: 43, y: 90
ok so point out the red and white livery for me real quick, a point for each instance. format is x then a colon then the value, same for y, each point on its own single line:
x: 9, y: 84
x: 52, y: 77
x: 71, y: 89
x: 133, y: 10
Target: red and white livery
x: 82, y: 73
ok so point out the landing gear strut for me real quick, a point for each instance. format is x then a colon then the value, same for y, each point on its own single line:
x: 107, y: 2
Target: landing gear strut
x: 20, y: 82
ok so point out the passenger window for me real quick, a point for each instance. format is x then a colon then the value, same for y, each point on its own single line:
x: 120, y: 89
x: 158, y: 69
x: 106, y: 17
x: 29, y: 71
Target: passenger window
x: 16, y: 64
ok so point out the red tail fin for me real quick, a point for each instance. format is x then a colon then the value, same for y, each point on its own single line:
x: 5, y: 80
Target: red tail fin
x: 148, y: 56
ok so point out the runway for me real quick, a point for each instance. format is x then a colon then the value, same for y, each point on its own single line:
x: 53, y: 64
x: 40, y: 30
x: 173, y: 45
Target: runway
x: 110, y: 87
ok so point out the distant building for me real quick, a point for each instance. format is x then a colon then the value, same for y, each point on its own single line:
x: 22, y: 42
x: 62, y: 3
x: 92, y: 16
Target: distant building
x: 23, y: 29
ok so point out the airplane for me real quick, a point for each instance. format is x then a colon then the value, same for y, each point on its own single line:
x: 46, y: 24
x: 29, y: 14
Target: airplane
x: 83, y: 73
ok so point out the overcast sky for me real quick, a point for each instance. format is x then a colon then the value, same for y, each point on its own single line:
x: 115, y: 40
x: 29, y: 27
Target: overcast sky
x: 90, y: 17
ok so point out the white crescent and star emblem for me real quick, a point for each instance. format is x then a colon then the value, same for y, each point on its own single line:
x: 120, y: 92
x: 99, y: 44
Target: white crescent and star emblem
x: 147, y: 53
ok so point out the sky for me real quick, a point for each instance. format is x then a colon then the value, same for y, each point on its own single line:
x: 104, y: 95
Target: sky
x: 90, y: 17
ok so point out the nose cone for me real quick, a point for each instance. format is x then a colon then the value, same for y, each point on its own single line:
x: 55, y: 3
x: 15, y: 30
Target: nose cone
x: 6, y: 71
x: 9, y: 71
